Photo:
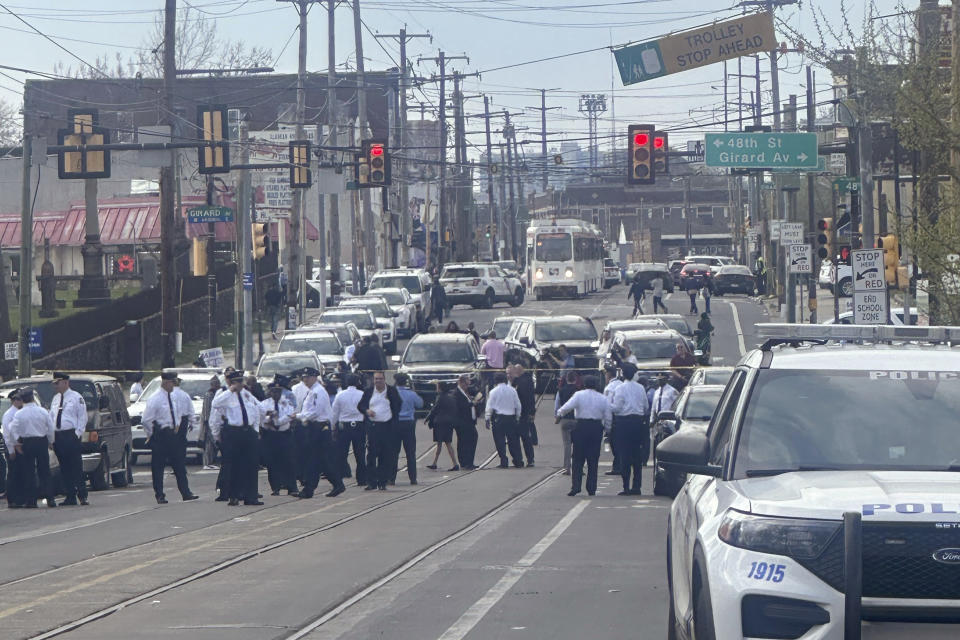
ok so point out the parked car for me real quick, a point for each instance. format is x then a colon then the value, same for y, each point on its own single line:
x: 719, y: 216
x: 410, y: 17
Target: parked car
x: 402, y: 304
x: 679, y: 324
x: 645, y: 272
x: 611, y: 328
x: 416, y: 281
x: 385, y: 318
x: 841, y: 276
x: 195, y: 382
x: 693, y: 273
x: 611, y: 273
x: 443, y: 357
x: 692, y: 409
x: 107, y: 442
x: 326, y: 341
x: 361, y: 318
x: 480, y: 285
x: 714, y: 262
x: 653, y: 348
x: 501, y: 325
x: 531, y: 339
x: 286, y: 363
x: 711, y: 375
x: 734, y: 278
x: 675, y: 266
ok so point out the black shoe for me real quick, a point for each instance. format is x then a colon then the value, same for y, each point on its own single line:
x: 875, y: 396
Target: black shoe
x: 414, y: 482
x: 432, y: 466
x: 337, y: 491
x: 161, y: 500
x: 518, y: 465
x: 220, y: 499
x: 503, y: 465
x: 274, y: 493
x: 189, y: 497
x: 625, y: 492
x: 84, y: 503
x: 591, y: 493
x: 455, y: 467
x: 573, y: 492
x: 370, y: 487
x: 293, y: 494
x: 636, y: 492
x: 305, y: 495
x: 69, y: 502
x: 382, y: 487
x: 233, y: 502
x: 612, y: 473
x: 530, y: 464
x: 252, y: 503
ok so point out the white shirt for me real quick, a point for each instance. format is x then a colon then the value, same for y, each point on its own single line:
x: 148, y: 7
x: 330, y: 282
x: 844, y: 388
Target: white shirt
x: 348, y: 353
x: 32, y: 421
x: 158, y: 411
x: 74, y: 415
x: 380, y: 406
x: 316, y: 406
x: 657, y: 284
x: 300, y: 390
x: 136, y: 389
x: 588, y: 404
x: 283, y: 410
x: 504, y: 401
x: 5, y: 427
x: 611, y: 388
x: 630, y: 399
x: 227, y: 403
x: 344, y: 408
x: 663, y: 399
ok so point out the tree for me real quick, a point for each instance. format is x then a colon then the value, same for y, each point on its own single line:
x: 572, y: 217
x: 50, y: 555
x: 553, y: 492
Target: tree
x: 11, y: 125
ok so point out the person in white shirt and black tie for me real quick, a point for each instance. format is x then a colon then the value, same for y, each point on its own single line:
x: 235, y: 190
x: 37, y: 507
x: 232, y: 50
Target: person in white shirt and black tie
x: 502, y: 412
x: 69, y: 413
x: 163, y: 419
x: 593, y: 414
x: 32, y: 431
x: 630, y: 412
x: 277, y: 439
x: 315, y: 439
x: 243, y: 415
x: 663, y: 397
x: 381, y: 405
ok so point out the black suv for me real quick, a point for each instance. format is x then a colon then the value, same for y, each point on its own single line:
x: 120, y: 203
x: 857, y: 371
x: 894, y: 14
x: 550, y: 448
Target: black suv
x: 439, y: 357
x: 531, y: 339
x: 107, y: 443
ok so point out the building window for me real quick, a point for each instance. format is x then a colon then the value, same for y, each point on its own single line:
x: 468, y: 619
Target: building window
x: 719, y: 212
x: 677, y: 211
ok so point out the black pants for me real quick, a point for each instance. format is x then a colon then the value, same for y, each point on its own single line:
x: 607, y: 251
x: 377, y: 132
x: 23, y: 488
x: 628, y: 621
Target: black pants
x: 466, y: 443
x: 634, y: 442
x: 241, y: 452
x: 587, y: 437
x: 278, y: 450
x: 378, y: 453
x: 67, y: 447
x: 506, y: 437
x: 34, y: 471
x: 352, y: 434
x: 615, y: 445
x: 15, y: 495
x: 405, y: 436
x: 658, y: 302
x: 321, y: 457
x: 693, y: 303
x: 527, y: 433
x: 166, y: 447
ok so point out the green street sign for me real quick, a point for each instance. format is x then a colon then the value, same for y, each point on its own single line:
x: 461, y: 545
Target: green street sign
x: 762, y: 150
x: 845, y: 185
x: 209, y: 213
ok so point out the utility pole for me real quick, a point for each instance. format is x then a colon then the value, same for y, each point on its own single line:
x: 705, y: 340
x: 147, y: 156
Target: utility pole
x: 168, y: 279
x: 494, y: 225
x: 25, y: 369
x: 332, y: 133
x: 502, y: 207
x: 511, y: 222
x: 811, y: 205
x: 369, y: 227
x: 246, y: 245
x: 543, y: 132
x: 211, y: 274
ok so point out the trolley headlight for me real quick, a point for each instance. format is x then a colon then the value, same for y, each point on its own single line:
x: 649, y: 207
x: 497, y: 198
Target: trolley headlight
x: 539, y: 274
x: 792, y: 537
x: 568, y: 273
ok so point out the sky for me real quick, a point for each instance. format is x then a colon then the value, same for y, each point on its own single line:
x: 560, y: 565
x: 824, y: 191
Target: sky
x: 492, y: 33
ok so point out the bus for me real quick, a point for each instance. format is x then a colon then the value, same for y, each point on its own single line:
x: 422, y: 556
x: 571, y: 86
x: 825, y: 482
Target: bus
x: 564, y: 258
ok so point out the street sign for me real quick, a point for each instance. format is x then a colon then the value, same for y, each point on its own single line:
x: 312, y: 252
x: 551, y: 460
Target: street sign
x: 800, y: 261
x: 846, y: 184
x: 774, y: 230
x: 207, y: 213
x: 791, y: 233
x: 11, y: 351
x: 35, y: 341
x: 758, y: 150
x: 212, y: 357
x: 247, y: 281
x: 745, y: 36
x: 870, y: 307
x: 868, y: 271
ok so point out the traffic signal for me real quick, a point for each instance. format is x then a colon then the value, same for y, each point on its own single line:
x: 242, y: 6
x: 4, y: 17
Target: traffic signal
x: 259, y: 237
x: 661, y: 145
x: 641, y: 163
x: 826, y: 238
x: 83, y: 129
x: 374, y: 167
x: 487, y: 234
x: 301, y: 177
x: 214, y: 151
x: 198, y: 254
x: 891, y: 257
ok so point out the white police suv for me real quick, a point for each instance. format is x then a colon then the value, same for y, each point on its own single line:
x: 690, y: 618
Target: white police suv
x: 824, y: 500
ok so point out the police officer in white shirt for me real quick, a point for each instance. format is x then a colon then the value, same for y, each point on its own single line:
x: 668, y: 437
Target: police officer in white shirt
x: 32, y: 431
x: 630, y: 417
x: 350, y: 429
x: 612, y: 382
x: 69, y: 413
x: 243, y: 415
x: 502, y: 412
x: 14, y: 477
x: 163, y: 419
x: 316, y: 443
x: 276, y: 437
x: 593, y: 414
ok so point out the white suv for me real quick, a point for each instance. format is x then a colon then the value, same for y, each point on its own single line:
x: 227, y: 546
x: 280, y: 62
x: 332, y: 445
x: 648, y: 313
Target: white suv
x: 480, y: 284
x: 824, y: 491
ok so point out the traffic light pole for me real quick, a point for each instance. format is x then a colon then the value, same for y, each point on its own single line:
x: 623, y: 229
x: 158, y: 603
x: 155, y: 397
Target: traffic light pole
x: 212, y: 339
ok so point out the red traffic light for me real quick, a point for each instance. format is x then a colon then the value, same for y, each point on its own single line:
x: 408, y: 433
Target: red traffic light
x: 641, y: 139
x: 376, y: 150
x: 822, y: 225
x: 658, y: 143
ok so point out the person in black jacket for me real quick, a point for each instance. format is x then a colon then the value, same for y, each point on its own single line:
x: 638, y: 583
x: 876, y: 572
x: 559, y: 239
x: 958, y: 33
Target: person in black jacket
x: 465, y: 421
x: 438, y: 302
x: 522, y: 380
x: 440, y: 421
x: 381, y: 406
x: 370, y: 357
x: 636, y: 292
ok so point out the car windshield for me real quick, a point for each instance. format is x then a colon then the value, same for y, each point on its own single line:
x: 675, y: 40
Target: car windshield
x: 379, y: 309
x: 554, y: 247
x: 560, y: 331
x: 679, y: 325
x: 705, y: 260
x: 502, y: 326
x: 194, y: 387
x: 392, y: 297
x: 410, y: 283
x: 419, y: 352
x: 284, y: 365
x: 359, y: 317
x: 343, y: 335
x: 736, y: 270
x: 322, y: 345
x: 874, y: 420
x: 460, y: 272
x: 700, y: 404
x: 653, y: 348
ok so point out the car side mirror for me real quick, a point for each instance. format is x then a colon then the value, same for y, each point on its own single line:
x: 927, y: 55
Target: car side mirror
x: 666, y: 415
x: 395, y: 358
x: 688, y: 451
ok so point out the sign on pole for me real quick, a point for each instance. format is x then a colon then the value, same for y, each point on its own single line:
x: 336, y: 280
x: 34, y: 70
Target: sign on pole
x: 212, y: 357
x: 695, y: 48
x: 757, y: 150
x: 870, y: 307
x: 774, y: 230
x: 247, y: 281
x: 35, y: 341
x: 800, y: 258
x: 868, y: 271
x: 791, y: 233
x: 207, y: 213
x: 11, y: 351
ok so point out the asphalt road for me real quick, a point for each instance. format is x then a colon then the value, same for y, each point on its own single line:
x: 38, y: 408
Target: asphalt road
x: 485, y: 554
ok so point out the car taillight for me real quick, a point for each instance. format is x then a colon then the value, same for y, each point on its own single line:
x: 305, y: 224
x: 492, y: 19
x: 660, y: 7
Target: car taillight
x: 475, y: 283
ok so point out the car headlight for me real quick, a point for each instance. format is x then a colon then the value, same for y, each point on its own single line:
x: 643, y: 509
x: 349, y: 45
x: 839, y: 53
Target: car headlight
x: 797, y: 538
x: 568, y: 273
x: 539, y: 274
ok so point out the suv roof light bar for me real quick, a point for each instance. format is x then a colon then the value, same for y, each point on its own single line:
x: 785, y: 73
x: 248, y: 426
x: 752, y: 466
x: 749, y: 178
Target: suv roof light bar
x: 780, y: 333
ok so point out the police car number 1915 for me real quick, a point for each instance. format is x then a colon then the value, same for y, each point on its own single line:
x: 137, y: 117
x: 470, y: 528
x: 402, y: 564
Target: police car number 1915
x: 767, y: 572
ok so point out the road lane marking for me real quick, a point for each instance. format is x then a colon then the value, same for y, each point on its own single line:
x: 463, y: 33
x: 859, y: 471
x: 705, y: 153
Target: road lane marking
x: 736, y: 324
x: 89, y: 523
x: 481, y: 607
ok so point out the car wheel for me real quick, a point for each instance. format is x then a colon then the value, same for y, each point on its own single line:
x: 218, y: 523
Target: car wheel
x: 702, y: 610
x: 517, y: 299
x: 100, y: 478
x: 488, y: 299
x: 120, y: 478
x: 846, y: 287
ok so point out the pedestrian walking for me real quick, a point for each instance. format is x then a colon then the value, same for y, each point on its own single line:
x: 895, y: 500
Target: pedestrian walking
x: 594, y: 416
x: 636, y: 292
x: 238, y: 439
x: 438, y: 301
x: 706, y: 290
x: 502, y: 412
x: 273, y: 299
x: 406, y: 435
x: 276, y: 438
x: 315, y: 442
x: 526, y: 427
x: 440, y: 421
x: 657, y: 285
x: 693, y: 289
x: 14, y: 479
x: 350, y: 429
x: 611, y: 382
x: 381, y: 406
x: 69, y: 413
x: 630, y: 411
x: 33, y: 433
x: 465, y: 422
x: 567, y: 423
x: 163, y: 420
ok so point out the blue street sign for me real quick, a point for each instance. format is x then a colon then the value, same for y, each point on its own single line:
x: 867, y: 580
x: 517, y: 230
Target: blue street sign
x: 36, y: 341
x: 248, y: 281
